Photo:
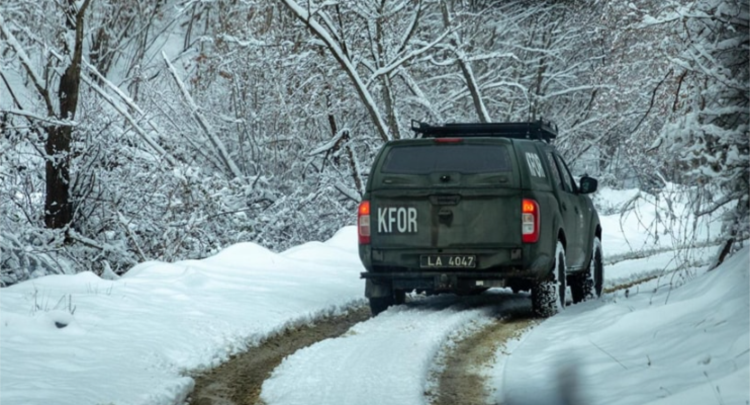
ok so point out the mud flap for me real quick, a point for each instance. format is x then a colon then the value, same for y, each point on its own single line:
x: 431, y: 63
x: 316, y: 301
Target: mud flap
x: 542, y: 265
x: 375, y: 290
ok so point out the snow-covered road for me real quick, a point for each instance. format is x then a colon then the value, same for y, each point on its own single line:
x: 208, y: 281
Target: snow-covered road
x: 389, y: 359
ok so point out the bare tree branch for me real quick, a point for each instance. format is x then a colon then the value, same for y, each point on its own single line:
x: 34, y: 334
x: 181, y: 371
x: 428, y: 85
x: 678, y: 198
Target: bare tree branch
x: 205, y: 126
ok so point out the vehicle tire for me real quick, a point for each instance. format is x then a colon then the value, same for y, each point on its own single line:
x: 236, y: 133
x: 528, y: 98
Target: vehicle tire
x: 548, y: 296
x: 597, y: 263
x: 588, y: 284
x: 380, y: 304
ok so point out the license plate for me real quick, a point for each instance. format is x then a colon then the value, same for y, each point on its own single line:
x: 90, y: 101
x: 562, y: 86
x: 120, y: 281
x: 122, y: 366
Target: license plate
x: 448, y: 261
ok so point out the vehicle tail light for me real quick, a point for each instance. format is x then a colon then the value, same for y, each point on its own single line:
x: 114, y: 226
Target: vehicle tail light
x: 363, y: 223
x: 529, y: 221
x: 448, y: 140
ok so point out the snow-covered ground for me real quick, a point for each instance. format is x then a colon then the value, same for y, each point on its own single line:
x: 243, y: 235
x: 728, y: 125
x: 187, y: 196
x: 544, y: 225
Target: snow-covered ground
x: 684, y: 344
x: 385, y: 360
x: 680, y: 338
x: 131, y: 340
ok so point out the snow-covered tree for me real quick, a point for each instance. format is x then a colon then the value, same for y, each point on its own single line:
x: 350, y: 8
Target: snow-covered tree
x: 707, y: 133
x: 204, y: 123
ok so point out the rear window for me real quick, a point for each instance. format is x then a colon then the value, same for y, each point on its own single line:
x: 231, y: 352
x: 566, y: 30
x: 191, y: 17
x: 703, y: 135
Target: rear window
x: 462, y: 158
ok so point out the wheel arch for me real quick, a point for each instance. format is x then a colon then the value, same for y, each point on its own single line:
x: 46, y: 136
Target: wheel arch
x: 596, y: 235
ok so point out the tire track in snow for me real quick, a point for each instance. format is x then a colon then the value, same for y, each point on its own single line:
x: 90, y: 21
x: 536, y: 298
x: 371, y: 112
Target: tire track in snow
x: 463, y: 380
x: 387, y: 359
x: 432, y: 350
x: 238, y: 381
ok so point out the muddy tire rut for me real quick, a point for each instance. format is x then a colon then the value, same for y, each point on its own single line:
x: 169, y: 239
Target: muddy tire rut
x: 238, y: 381
x: 463, y: 380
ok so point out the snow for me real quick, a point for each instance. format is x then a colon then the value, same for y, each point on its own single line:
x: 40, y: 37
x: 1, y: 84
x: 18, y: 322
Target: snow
x: 159, y: 320
x: 682, y: 337
x: 341, y: 56
x: 662, y: 345
x: 324, y: 373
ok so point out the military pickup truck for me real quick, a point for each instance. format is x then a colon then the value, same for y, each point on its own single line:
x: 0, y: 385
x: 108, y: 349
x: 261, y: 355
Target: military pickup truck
x: 465, y: 207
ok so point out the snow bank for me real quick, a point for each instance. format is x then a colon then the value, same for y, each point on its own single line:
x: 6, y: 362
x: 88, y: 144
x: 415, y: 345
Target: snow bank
x: 687, y: 343
x: 130, y: 341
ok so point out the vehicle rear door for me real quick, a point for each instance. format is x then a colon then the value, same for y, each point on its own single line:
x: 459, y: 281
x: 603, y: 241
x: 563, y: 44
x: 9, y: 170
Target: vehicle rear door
x: 435, y: 194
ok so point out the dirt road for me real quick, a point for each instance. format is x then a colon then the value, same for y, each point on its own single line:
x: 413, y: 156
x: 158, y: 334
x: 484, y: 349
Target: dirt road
x: 462, y: 381
x: 239, y: 380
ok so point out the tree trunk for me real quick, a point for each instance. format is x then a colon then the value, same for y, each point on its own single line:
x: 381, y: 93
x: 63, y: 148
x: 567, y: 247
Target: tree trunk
x: 58, y: 209
x: 726, y: 247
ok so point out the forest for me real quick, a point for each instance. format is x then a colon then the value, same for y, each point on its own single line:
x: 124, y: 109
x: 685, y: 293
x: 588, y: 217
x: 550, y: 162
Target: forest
x: 139, y: 130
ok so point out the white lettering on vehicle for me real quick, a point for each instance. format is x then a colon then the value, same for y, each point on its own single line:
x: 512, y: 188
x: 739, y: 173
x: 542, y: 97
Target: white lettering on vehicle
x: 401, y: 220
x: 381, y: 220
x: 397, y: 219
x: 436, y: 263
x: 453, y: 261
x: 412, y: 218
x: 535, y: 165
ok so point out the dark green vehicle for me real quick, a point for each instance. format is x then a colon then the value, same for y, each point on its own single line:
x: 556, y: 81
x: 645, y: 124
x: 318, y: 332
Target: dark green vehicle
x: 466, y: 207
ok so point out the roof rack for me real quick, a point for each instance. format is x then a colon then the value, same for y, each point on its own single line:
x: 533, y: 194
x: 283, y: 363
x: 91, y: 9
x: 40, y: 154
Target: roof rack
x: 542, y: 130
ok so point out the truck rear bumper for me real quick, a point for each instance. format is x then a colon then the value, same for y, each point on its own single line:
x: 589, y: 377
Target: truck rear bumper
x: 490, y: 258
x: 379, y: 284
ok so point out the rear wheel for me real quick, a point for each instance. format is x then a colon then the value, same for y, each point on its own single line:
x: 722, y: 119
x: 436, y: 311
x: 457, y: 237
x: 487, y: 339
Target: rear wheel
x: 380, y: 304
x: 548, y: 295
x: 588, y: 284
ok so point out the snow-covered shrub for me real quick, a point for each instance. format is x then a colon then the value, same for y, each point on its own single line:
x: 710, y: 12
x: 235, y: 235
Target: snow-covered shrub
x: 707, y: 134
x: 203, y: 124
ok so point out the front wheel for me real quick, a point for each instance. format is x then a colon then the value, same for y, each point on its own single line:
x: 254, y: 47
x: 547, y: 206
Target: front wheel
x: 548, y: 295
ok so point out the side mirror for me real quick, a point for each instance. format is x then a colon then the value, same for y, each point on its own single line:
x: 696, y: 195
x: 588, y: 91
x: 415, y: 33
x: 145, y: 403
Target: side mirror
x: 588, y: 185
